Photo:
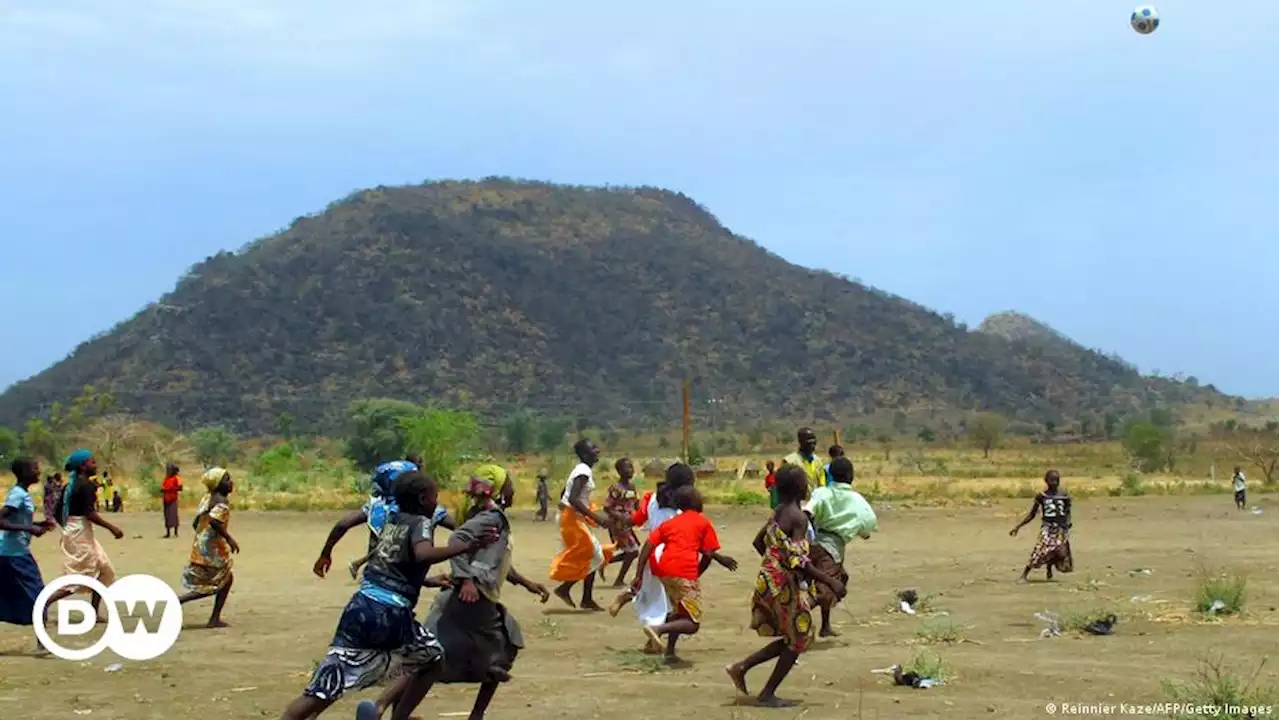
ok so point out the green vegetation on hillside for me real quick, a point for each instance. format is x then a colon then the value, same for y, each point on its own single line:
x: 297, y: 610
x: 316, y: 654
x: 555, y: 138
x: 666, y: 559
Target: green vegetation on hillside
x: 502, y: 296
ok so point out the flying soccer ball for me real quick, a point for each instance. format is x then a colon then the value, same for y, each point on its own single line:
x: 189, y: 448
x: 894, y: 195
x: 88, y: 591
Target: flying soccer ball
x: 1145, y: 19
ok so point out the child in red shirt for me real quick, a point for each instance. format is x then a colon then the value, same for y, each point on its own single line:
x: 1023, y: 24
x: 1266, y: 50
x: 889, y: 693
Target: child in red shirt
x: 691, y: 545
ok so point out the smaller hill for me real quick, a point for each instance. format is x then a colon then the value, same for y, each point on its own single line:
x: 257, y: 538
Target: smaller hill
x: 1016, y: 327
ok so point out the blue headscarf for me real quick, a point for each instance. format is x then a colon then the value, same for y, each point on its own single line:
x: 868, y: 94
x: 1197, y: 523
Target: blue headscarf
x: 382, y: 507
x: 75, y: 461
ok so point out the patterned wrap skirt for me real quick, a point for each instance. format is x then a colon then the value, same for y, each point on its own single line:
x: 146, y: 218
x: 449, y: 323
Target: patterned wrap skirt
x: 822, y: 561
x: 685, y: 596
x: 1053, y: 549
x: 368, y: 634
x: 784, y: 615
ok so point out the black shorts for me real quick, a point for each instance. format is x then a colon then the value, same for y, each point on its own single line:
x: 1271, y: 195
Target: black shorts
x: 1240, y: 496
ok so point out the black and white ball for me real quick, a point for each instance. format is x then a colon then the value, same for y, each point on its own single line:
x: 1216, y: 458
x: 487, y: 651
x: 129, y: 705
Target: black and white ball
x: 1145, y: 19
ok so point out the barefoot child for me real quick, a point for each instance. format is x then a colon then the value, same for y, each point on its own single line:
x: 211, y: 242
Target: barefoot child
x: 690, y: 546
x: 783, y: 598
x: 20, y: 581
x: 621, y: 503
x: 208, y: 570
x: 1053, y: 549
x: 839, y: 514
x: 379, y: 619
x: 656, y: 507
x: 581, y: 553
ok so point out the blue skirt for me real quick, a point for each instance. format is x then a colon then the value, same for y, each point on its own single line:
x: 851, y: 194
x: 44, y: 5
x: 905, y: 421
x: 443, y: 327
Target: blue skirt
x: 20, y: 585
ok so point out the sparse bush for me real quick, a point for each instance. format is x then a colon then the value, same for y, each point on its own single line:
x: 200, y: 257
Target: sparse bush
x: 1131, y: 485
x: 940, y: 631
x: 927, y: 665
x: 1219, y: 593
x: 1216, y: 687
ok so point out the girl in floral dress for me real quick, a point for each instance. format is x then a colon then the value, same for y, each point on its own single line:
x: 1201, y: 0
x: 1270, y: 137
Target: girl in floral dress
x: 208, y: 571
x: 784, y: 593
x: 621, y: 503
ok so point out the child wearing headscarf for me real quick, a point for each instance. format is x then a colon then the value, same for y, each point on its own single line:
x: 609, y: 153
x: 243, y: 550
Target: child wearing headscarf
x: 82, y: 554
x: 208, y: 570
x: 480, y: 638
x: 381, y: 507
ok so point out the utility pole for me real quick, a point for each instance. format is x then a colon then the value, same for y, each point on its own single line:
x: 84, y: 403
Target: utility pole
x: 687, y: 391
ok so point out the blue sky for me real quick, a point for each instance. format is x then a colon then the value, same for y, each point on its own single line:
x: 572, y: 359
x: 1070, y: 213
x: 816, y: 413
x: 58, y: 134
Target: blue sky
x: 973, y: 157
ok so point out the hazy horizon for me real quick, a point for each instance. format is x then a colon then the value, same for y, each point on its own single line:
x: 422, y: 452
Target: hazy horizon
x: 1119, y: 188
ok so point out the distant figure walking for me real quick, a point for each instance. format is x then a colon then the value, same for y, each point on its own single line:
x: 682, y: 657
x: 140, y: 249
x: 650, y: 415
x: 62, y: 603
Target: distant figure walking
x: 169, y: 491
x: 1238, y: 484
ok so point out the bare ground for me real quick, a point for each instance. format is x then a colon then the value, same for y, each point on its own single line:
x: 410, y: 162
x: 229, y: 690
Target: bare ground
x: 586, y: 665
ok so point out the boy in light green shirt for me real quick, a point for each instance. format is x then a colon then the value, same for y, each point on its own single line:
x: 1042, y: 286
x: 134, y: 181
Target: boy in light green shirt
x: 838, y: 515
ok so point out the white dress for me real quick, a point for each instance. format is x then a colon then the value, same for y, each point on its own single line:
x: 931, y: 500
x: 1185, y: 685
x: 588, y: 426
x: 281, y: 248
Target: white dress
x: 651, y: 602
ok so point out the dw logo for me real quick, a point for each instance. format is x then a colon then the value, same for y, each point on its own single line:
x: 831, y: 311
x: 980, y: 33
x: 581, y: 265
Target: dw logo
x: 144, y: 617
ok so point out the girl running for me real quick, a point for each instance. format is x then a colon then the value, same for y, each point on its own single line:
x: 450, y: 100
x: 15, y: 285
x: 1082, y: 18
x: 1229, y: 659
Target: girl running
x: 783, y: 597
x: 20, y: 581
x: 82, y: 554
x: 621, y: 503
x: 480, y: 637
x: 379, y: 619
x: 690, y: 546
x: 208, y: 571
x: 1053, y: 549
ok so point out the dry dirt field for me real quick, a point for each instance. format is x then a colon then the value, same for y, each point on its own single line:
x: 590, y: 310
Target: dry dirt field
x: 585, y: 665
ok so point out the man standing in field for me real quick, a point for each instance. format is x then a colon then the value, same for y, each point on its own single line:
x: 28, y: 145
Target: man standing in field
x: 1238, y: 484
x: 805, y: 459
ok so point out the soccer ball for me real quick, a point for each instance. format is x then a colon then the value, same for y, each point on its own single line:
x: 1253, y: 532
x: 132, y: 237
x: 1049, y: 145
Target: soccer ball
x: 1145, y: 19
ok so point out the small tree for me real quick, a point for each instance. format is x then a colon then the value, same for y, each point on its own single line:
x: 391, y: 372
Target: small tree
x: 284, y: 425
x: 214, y: 445
x: 987, y: 430
x: 551, y: 432
x: 377, y: 433
x: 926, y: 435
x: 886, y: 443
x: 520, y: 430
x: 1260, y: 450
x: 1148, y: 445
x: 440, y: 436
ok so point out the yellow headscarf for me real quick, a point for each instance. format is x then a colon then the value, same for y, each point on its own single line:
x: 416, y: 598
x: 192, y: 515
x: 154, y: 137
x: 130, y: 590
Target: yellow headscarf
x: 211, y: 479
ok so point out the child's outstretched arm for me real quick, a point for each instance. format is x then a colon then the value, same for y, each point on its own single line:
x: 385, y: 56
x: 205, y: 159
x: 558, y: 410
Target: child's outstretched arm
x: 515, y: 578
x: 355, y: 518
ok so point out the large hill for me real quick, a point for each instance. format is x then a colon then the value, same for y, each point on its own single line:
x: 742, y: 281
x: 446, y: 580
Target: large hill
x: 586, y: 301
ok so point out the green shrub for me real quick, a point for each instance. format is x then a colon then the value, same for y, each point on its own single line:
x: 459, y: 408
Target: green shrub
x: 1219, y: 593
x: 1215, y: 687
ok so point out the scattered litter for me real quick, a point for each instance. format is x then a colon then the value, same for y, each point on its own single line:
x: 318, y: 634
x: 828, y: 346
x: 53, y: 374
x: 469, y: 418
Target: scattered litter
x: 911, y: 679
x: 1101, y: 626
x: 1142, y: 598
x: 1255, y: 510
x: 1053, y: 624
x: 907, y: 600
x: 84, y: 712
x: 1215, y: 606
x: 904, y: 607
x: 1139, y: 571
x: 885, y: 671
x: 244, y: 689
x: 115, y: 667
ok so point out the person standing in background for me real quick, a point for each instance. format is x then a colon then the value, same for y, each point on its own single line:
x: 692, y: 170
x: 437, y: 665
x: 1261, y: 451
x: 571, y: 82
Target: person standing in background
x: 53, y: 487
x: 169, y: 491
x: 1239, y: 485
x: 770, y: 484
